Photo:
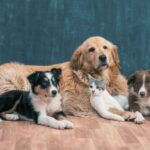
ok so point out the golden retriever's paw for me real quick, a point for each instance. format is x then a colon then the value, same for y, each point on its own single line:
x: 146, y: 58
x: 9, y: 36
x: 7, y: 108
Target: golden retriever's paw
x: 68, y: 124
x: 139, y: 118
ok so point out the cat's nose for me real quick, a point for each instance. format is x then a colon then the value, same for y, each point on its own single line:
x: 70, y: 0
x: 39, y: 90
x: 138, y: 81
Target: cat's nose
x: 93, y: 92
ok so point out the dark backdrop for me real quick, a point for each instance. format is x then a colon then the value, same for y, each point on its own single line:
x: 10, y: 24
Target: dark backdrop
x: 48, y: 31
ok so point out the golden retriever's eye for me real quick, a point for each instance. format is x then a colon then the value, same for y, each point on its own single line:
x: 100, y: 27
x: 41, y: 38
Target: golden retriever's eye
x: 105, y: 47
x: 92, y: 49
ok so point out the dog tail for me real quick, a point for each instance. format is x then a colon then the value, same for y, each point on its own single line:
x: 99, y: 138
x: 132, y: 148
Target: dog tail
x: 13, y: 76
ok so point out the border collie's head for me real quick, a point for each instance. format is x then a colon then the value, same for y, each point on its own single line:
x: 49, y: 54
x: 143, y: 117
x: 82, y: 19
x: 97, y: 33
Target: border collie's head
x: 139, y: 84
x: 45, y: 83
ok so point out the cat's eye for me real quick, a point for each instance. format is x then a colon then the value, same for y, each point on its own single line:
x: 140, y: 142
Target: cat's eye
x: 92, y: 49
x: 100, y: 88
x: 91, y: 86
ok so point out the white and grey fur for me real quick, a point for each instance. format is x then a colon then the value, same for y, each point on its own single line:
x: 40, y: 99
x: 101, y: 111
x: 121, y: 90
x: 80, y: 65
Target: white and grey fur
x: 102, y: 101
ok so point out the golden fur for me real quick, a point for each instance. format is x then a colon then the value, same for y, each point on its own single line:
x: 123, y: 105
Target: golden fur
x: 74, y: 80
x: 13, y: 76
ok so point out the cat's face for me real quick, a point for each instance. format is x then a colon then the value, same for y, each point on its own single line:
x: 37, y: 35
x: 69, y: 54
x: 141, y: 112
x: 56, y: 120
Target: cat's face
x: 96, y: 87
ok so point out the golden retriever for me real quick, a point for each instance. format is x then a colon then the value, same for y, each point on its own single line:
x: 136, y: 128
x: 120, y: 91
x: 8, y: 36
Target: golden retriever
x: 96, y: 56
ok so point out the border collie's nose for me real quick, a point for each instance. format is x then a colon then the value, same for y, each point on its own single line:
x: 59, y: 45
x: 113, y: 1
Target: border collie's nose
x: 54, y: 93
x: 102, y: 58
x: 142, y: 94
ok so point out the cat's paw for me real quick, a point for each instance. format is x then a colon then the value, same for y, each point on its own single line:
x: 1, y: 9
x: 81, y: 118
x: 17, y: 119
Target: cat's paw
x: 119, y: 118
x: 139, y: 118
x: 129, y: 116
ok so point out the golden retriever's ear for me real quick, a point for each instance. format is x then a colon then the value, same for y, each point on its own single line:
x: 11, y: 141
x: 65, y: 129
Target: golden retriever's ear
x: 115, y: 56
x: 76, y: 61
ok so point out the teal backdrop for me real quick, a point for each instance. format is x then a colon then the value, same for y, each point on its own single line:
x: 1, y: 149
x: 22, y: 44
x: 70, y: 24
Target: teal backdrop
x: 45, y: 32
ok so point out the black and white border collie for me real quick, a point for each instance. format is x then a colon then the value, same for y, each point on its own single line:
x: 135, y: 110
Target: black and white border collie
x: 40, y: 104
x: 139, y: 94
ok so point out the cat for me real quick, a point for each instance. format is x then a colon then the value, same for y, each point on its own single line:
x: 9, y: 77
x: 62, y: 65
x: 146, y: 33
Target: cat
x: 104, y: 104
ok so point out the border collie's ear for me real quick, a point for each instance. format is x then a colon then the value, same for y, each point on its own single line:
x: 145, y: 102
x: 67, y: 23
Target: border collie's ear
x: 33, y: 78
x: 132, y: 79
x: 57, y: 74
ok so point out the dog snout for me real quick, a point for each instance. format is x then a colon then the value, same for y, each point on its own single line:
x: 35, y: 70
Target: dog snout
x: 53, y: 93
x: 103, y: 59
x: 142, y: 94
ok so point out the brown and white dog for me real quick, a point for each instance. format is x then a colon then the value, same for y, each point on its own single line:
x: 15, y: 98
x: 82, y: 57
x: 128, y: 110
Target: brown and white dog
x: 139, y: 93
x: 96, y: 56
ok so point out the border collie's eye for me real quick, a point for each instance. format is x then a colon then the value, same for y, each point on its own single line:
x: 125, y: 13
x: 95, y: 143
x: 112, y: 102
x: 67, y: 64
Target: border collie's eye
x: 92, y: 49
x: 105, y: 47
x: 45, y: 85
x: 91, y: 86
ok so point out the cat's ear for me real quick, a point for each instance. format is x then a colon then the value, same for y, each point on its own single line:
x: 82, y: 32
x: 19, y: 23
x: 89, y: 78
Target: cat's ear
x: 102, y: 82
x: 90, y: 77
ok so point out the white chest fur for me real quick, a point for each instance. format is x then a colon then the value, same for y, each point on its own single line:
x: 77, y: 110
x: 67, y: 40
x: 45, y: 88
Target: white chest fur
x: 104, y: 101
x: 49, y: 106
x: 55, y: 105
x: 145, y: 106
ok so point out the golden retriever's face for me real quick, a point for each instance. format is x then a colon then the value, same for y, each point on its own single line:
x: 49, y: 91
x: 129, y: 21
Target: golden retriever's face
x: 95, y: 54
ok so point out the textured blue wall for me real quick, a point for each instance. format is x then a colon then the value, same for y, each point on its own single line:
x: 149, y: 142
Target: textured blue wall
x: 48, y: 31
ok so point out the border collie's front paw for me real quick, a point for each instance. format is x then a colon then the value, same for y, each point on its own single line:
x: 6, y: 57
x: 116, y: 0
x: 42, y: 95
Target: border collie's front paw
x: 1, y: 120
x: 68, y: 124
x: 63, y: 124
x: 139, y: 118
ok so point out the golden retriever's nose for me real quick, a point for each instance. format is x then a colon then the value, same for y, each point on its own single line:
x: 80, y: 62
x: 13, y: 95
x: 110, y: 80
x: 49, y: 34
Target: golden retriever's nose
x: 103, y: 59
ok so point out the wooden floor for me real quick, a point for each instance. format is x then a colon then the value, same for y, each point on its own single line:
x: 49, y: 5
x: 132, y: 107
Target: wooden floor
x: 88, y: 134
